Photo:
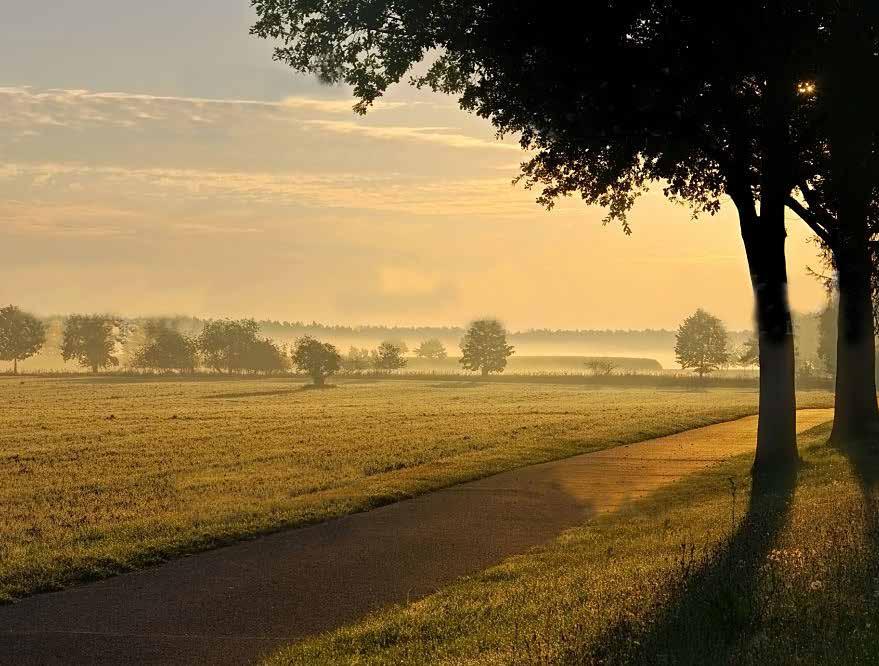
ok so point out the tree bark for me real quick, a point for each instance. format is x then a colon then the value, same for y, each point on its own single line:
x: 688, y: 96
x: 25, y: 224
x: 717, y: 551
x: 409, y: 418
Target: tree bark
x: 856, y: 413
x: 764, y: 235
x: 852, y: 106
x: 776, y: 430
x: 15, y: 366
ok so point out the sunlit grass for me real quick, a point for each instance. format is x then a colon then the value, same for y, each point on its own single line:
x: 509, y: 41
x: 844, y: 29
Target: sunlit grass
x: 694, y: 574
x: 102, y: 475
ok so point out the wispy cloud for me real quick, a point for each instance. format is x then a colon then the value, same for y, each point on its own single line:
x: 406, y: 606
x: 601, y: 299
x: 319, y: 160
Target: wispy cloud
x: 387, y: 192
x: 67, y: 220
x: 445, y: 136
x: 30, y: 109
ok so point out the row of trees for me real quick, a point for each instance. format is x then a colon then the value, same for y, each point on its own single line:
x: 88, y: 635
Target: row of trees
x: 230, y: 346
x: 93, y: 341
x: 484, y: 349
x: 773, y: 107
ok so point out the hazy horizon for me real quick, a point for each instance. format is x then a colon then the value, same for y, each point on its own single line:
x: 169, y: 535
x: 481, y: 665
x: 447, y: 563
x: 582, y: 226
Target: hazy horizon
x: 187, y: 173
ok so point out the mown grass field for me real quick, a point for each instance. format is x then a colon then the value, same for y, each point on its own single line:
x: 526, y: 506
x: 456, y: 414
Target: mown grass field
x: 701, y: 572
x: 102, y: 475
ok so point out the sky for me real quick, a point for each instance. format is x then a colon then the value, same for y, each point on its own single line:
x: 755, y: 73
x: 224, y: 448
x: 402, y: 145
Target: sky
x: 154, y: 160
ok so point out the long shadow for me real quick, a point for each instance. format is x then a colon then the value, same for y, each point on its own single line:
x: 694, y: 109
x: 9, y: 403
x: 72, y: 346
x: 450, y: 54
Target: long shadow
x: 863, y: 457
x: 702, y: 613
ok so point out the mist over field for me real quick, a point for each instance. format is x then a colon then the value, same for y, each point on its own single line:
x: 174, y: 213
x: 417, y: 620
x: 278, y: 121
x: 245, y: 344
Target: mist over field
x: 535, y: 350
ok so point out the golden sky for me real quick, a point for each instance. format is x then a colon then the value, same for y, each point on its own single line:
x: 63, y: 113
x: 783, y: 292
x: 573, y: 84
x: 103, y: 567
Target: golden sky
x: 153, y: 171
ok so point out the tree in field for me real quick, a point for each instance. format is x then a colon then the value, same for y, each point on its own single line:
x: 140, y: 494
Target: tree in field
x: 432, y: 349
x: 484, y: 347
x: 601, y: 367
x: 91, y: 340
x: 21, y: 335
x: 388, y: 357
x: 356, y: 360
x: 611, y: 98
x: 224, y: 343
x: 701, y: 343
x: 318, y: 359
x: 264, y: 356
x: 166, y: 349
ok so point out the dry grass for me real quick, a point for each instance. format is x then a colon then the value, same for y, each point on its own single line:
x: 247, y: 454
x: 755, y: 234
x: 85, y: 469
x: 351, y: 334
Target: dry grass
x: 101, y: 475
x: 702, y: 572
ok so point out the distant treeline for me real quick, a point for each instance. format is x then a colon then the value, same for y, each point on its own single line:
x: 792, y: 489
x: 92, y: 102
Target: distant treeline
x: 603, y: 338
x: 544, y: 364
x: 618, y: 343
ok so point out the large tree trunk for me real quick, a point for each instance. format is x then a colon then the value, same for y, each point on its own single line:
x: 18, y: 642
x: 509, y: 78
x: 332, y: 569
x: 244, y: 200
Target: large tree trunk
x: 852, y: 123
x: 776, y: 430
x: 856, y: 411
x: 764, y: 235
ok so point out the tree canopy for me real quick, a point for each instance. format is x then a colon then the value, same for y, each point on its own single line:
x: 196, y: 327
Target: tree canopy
x: 91, y: 340
x: 318, y: 359
x: 388, y: 356
x: 21, y: 335
x: 484, y: 347
x: 432, y: 349
x: 166, y: 349
x: 702, y: 343
x: 225, y: 343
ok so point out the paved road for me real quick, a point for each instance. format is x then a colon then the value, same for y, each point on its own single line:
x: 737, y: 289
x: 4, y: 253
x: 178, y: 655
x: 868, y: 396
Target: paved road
x: 234, y: 604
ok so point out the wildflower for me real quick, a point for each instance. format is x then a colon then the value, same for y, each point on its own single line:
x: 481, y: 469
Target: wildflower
x: 816, y: 585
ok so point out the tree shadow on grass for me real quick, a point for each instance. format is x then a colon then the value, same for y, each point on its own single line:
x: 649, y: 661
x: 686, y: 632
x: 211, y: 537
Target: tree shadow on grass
x: 702, y: 613
x: 863, y: 456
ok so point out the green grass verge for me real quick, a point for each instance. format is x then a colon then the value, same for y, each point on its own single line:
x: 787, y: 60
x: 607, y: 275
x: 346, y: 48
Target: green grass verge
x: 700, y: 572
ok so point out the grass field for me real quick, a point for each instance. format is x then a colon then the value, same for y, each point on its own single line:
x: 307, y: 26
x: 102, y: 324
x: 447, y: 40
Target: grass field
x: 699, y: 573
x: 102, y: 475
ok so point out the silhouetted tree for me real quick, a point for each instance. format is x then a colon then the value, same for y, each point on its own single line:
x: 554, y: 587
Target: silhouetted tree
x: 21, y: 335
x: 91, y: 340
x: 484, y: 347
x: 166, y: 349
x: 702, y: 343
x: 432, y: 349
x: 388, y: 357
x: 224, y: 343
x: 318, y: 359
x: 609, y: 98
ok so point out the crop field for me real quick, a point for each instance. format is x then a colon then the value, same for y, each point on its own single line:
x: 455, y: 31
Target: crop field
x: 100, y: 475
